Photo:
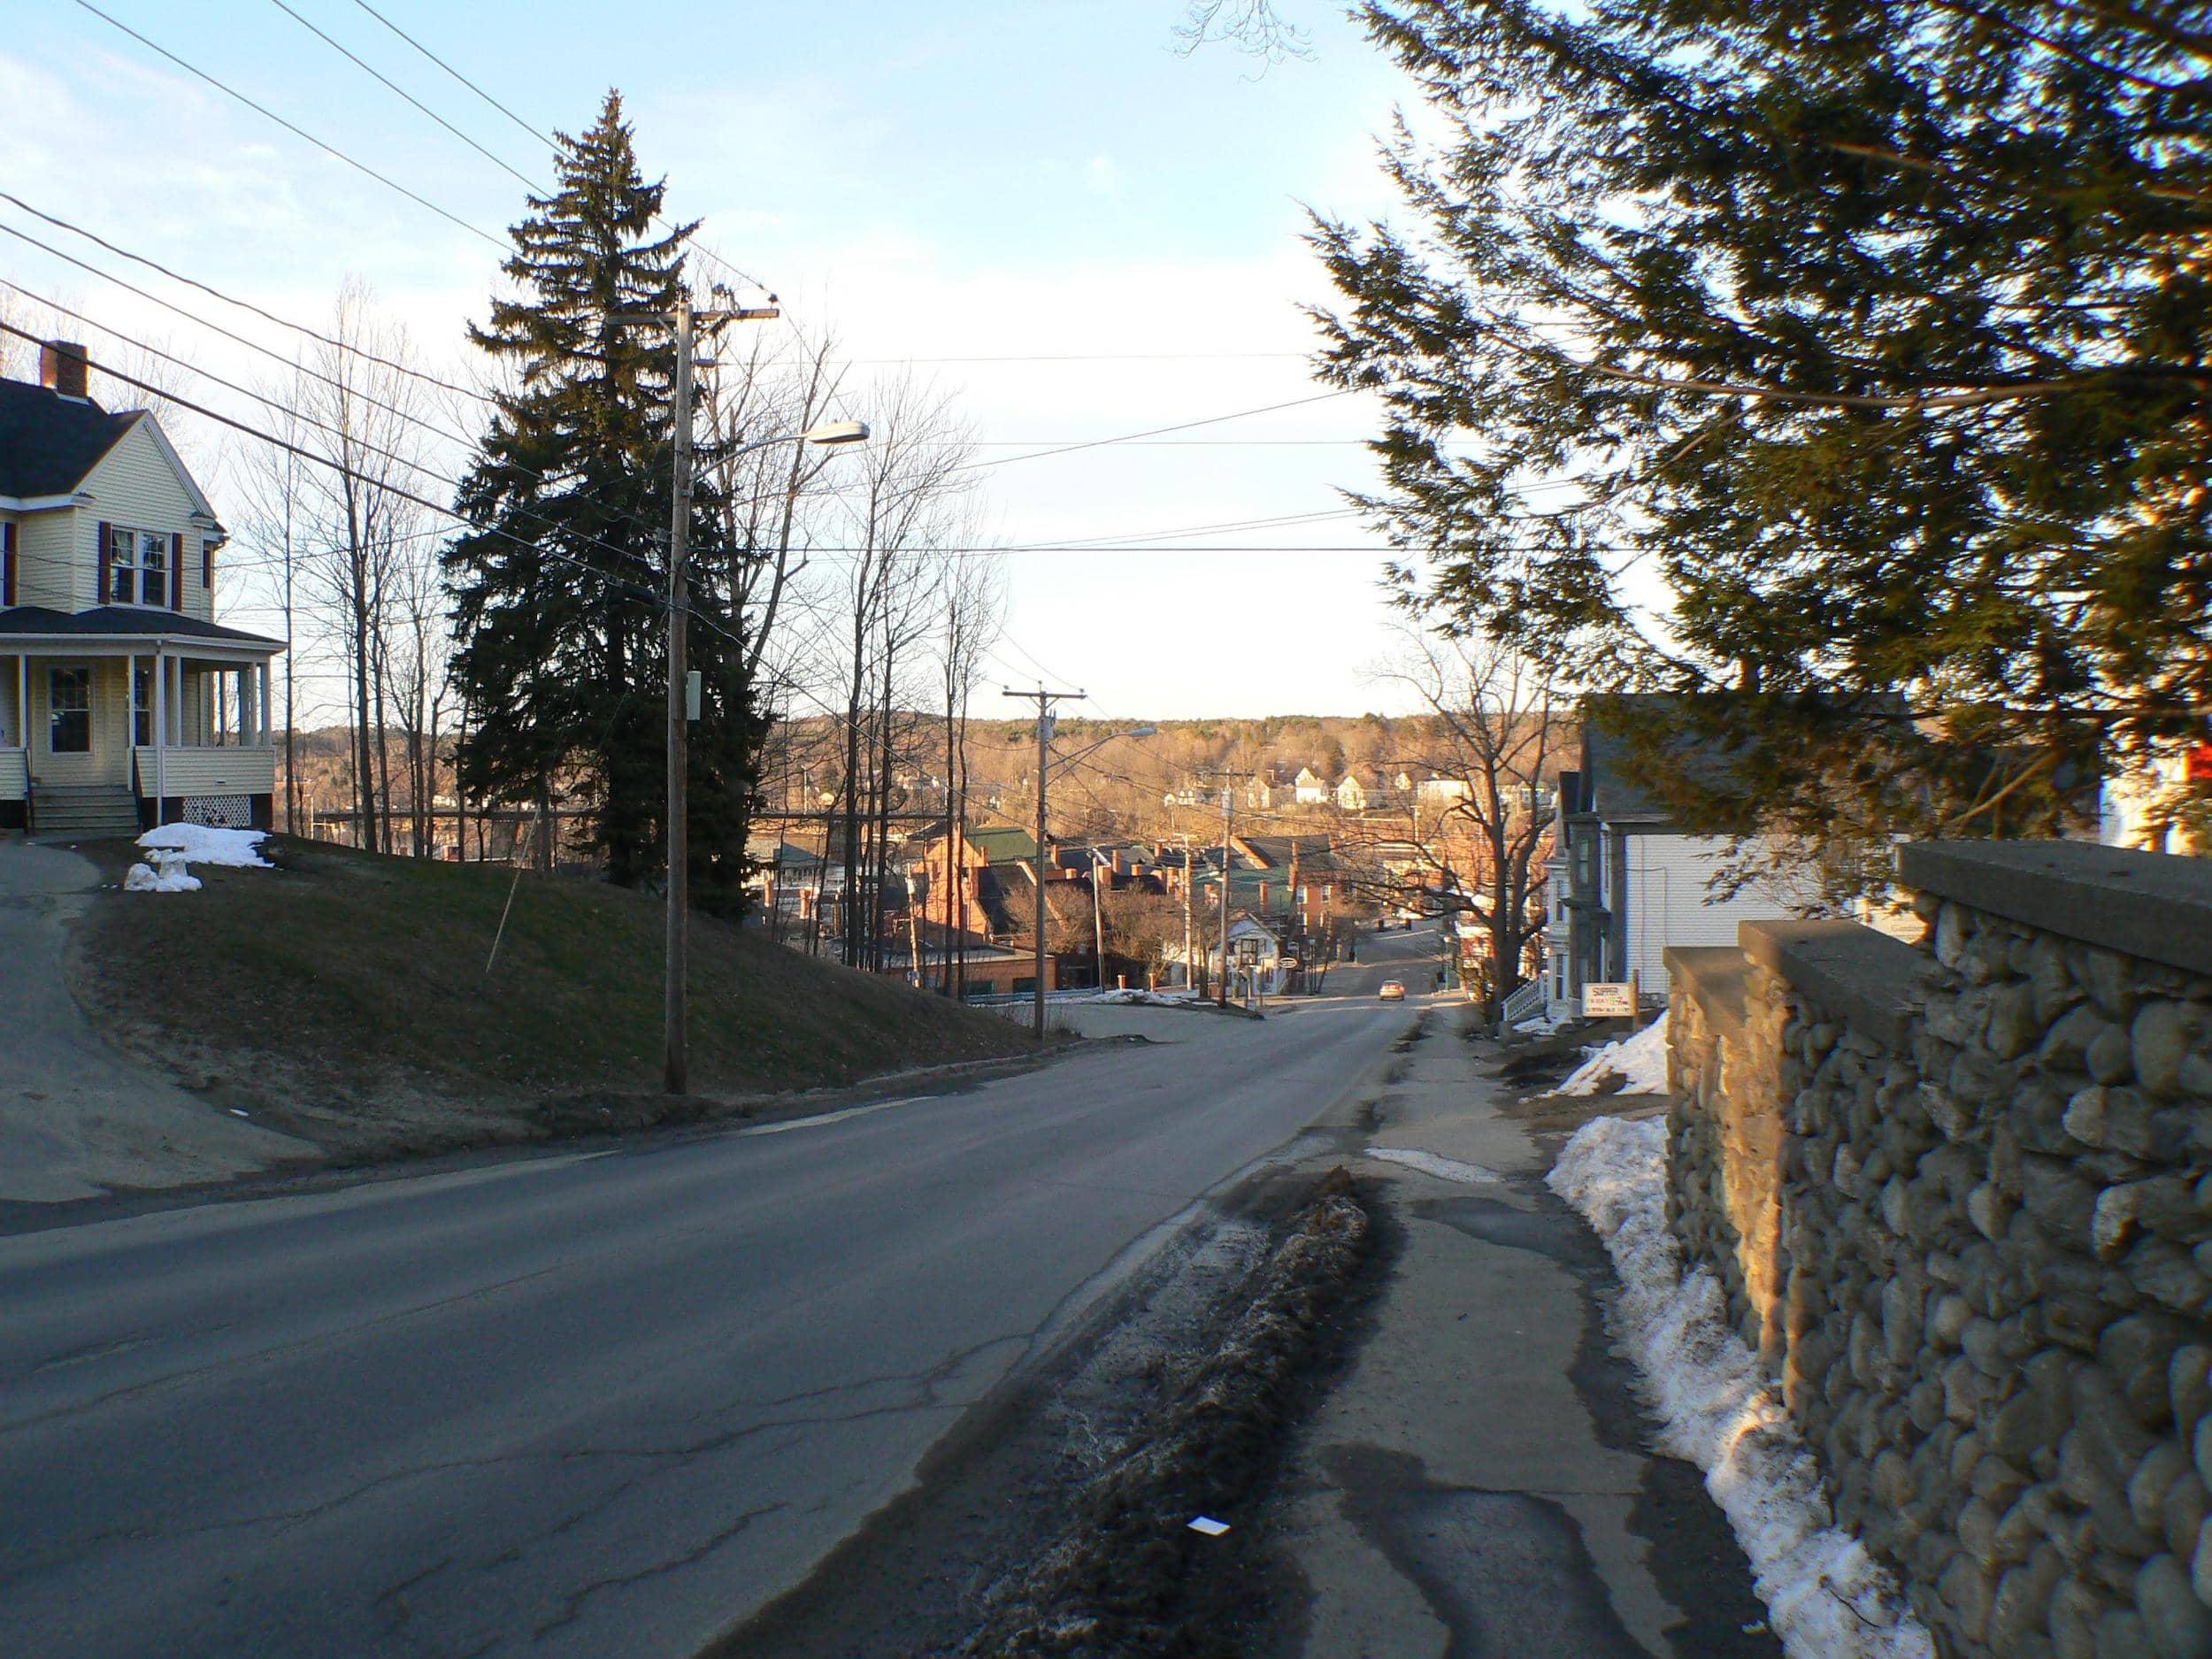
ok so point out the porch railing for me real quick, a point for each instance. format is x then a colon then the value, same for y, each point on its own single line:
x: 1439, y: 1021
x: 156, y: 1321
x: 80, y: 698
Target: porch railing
x: 15, y: 775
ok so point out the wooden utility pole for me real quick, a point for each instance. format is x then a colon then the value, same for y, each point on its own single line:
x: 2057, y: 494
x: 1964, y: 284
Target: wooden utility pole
x: 1044, y: 700
x: 675, y: 1011
x: 1228, y: 818
x: 675, y: 1059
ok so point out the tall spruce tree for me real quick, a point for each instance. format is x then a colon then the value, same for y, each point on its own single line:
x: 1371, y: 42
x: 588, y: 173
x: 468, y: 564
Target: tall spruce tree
x: 1875, y: 334
x: 558, y: 592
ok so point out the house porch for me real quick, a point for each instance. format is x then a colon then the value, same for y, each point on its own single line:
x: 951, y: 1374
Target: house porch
x: 164, y: 730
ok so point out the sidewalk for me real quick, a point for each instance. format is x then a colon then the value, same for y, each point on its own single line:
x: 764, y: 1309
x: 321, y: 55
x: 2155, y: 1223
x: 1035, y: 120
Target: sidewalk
x: 1476, y: 1483
x: 76, y: 1117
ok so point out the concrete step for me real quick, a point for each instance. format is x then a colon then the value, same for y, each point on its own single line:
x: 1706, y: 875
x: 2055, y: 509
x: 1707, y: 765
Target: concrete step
x: 90, y: 811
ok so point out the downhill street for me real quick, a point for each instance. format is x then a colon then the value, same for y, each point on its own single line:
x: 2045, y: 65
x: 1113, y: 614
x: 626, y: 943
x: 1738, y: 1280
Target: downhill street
x: 597, y: 1403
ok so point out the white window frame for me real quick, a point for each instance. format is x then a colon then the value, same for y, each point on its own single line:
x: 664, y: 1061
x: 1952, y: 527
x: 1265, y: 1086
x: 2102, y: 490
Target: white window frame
x: 54, y: 709
x: 133, y: 555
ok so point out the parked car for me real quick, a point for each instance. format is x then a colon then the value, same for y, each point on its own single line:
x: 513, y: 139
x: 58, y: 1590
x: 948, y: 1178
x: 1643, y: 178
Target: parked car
x: 1392, y: 991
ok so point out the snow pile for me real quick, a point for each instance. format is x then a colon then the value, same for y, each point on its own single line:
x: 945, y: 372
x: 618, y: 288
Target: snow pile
x: 1639, y: 1060
x: 167, y: 872
x: 173, y: 850
x: 1826, y: 1598
x: 239, y: 849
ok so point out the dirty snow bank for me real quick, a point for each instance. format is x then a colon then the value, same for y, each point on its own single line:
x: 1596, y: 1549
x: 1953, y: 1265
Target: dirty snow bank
x: 1639, y: 1059
x: 1826, y: 1598
x: 239, y: 849
x: 165, y: 872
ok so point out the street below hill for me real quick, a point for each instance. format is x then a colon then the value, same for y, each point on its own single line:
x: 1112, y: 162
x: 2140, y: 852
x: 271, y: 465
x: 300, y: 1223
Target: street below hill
x: 610, y: 1402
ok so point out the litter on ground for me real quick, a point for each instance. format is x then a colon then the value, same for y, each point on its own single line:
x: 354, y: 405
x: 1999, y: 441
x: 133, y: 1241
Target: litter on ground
x: 1207, y: 1525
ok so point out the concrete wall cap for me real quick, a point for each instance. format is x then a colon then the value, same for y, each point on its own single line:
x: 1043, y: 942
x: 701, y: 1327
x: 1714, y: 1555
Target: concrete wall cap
x: 1861, y: 976
x: 1715, y: 976
x: 2153, y: 906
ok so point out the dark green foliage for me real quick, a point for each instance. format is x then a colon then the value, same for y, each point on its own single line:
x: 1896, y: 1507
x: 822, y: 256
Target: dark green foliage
x: 1876, y: 333
x: 559, y: 596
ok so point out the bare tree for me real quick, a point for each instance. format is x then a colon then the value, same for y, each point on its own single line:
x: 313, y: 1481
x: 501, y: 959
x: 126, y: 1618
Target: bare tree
x: 361, y: 415
x: 272, y: 483
x: 1483, y: 805
x: 1250, y: 26
x: 972, y: 601
x: 902, y: 498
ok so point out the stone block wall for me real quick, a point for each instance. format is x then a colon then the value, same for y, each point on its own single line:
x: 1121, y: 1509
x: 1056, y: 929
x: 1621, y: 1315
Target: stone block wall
x: 1959, y: 1197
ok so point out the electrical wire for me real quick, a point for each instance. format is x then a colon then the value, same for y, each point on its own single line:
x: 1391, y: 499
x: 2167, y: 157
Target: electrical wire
x: 300, y: 132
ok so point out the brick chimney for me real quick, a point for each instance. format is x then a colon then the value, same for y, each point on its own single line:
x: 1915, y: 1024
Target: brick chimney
x: 61, y: 368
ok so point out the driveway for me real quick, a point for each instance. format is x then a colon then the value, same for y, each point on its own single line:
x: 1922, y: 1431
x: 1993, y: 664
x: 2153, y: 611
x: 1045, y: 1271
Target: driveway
x: 78, y: 1119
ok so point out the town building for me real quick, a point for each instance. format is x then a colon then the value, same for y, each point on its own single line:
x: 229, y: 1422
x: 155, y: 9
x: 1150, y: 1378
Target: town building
x: 123, y: 702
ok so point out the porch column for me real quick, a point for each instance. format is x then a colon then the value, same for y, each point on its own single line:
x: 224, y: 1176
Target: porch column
x: 23, y: 702
x: 161, y: 733
x: 267, y: 706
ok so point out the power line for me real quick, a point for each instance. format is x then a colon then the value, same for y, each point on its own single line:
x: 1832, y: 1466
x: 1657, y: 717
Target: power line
x: 299, y: 132
x: 544, y: 138
x: 1210, y: 420
x: 403, y: 92
x: 214, y: 293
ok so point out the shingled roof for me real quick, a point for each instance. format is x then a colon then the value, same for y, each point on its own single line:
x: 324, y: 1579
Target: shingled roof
x: 49, y: 442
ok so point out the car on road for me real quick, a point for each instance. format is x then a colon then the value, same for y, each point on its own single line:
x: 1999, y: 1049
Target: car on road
x: 1392, y: 992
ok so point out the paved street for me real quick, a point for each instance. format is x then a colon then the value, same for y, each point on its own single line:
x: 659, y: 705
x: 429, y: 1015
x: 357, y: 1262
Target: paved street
x: 591, y: 1404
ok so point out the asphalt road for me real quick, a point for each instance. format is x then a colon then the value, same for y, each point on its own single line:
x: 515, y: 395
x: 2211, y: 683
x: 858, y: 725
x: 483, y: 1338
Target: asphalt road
x: 599, y: 1404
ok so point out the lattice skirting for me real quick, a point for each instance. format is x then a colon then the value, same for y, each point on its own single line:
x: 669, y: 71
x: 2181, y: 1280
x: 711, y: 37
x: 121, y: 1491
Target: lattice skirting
x: 220, y: 811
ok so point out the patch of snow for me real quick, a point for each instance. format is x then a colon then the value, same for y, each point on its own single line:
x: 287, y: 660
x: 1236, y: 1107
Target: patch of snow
x: 1544, y: 1025
x: 1435, y: 1164
x: 1135, y: 997
x: 1640, y: 1060
x: 235, y: 849
x: 172, y: 875
x: 1826, y: 1598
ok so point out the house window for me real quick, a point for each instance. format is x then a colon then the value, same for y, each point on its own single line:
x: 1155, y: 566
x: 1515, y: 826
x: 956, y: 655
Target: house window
x: 138, y: 567
x: 207, y: 563
x: 69, y: 705
x: 142, y: 707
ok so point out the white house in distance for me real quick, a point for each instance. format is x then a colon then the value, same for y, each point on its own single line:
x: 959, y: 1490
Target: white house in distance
x: 123, y: 702
x: 1624, y: 884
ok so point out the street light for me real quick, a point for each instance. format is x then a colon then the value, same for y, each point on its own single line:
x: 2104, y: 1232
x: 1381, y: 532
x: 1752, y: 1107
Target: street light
x: 675, y: 1013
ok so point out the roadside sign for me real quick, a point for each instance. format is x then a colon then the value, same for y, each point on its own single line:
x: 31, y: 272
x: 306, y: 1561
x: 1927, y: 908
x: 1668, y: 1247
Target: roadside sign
x: 1609, y: 1001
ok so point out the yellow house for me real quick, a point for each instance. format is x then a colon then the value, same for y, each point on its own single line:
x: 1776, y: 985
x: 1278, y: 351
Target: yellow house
x: 123, y: 702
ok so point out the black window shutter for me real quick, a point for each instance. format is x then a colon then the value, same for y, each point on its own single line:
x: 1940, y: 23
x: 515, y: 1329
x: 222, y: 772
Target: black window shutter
x: 107, y: 559
x: 176, y: 571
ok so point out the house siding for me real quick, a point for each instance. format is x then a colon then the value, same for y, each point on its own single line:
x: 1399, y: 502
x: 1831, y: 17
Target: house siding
x: 46, y: 560
x: 1667, y: 903
x: 135, y: 485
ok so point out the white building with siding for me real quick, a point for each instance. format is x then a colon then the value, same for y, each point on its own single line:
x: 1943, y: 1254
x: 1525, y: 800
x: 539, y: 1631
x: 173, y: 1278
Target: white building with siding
x: 123, y: 701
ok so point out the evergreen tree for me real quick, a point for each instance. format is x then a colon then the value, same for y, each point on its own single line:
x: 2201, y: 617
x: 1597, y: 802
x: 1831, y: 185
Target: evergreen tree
x: 1874, y: 334
x: 558, y: 592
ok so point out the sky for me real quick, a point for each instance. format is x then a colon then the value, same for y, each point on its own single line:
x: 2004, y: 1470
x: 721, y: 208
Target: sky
x: 1072, y: 228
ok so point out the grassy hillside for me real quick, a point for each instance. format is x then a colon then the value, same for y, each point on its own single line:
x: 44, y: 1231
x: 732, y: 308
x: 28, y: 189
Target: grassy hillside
x: 344, y: 983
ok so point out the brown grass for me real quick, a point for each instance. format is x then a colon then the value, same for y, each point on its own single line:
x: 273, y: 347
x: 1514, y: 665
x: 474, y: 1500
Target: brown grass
x: 347, y: 980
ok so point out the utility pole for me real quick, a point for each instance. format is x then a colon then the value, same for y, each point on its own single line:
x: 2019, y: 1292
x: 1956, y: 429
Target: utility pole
x: 675, y: 1059
x: 1044, y: 700
x: 1228, y: 816
x: 675, y: 1011
x: 1188, y: 981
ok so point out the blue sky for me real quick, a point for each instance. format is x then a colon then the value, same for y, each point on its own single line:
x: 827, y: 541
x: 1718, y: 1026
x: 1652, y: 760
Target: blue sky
x: 932, y: 180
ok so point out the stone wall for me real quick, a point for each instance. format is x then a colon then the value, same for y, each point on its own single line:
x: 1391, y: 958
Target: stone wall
x: 1959, y: 1198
